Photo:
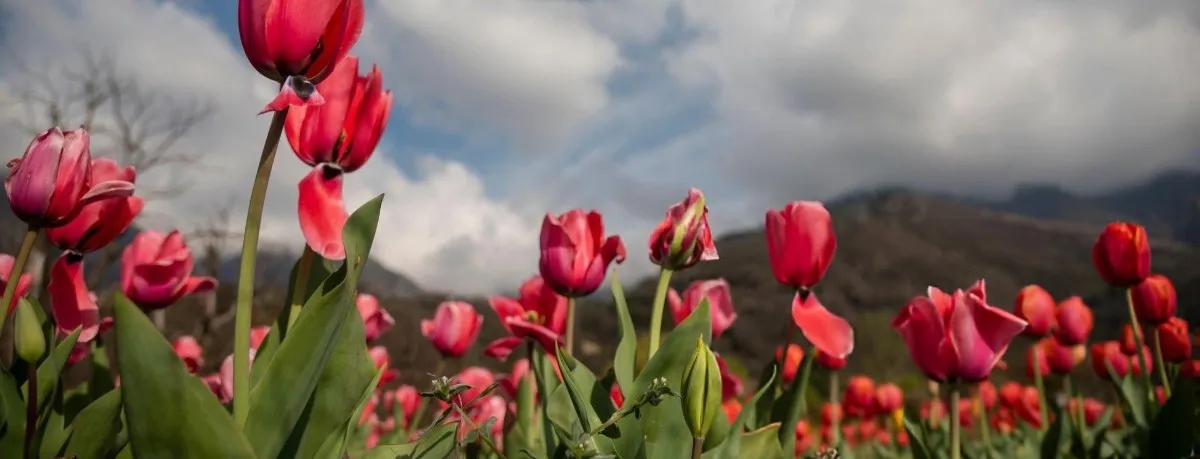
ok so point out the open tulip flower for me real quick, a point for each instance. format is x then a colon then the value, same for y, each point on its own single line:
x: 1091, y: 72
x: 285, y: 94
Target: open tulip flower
x: 539, y: 313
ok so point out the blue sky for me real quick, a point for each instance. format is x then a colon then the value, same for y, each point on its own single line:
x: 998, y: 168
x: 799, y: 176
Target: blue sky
x: 507, y: 109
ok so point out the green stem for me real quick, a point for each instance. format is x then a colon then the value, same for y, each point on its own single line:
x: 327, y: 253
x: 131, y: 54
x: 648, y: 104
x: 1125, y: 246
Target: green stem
x: 1137, y: 340
x: 955, y: 425
x: 301, y: 286
x: 570, y: 339
x: 420, y: 412
x: 1162, y: 367
x: 660, y: 299
x: 485, y: 436
x: 781, y: 360
x: 697, y: 447
x: 836, y: 429
x: 1039, y: 382
x: 14, y: 276
x: 245, y: 287
x: 787, y: 433
x: 985, y: 428
x: 31, y: 415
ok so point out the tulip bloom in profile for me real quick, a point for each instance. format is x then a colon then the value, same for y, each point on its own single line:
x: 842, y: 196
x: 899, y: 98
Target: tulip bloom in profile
x: 335, y: 139
x: 683, y: 238
x: 1108, y: 353
x: 1036, y: 361
x: 791, y: 362
x: 1128, y: 344
x: 859, y: 399
x: 71, y: 303
x: 889, y: 398
x: 376, y: 319
x: 454, y: 327
x: 958, y: 336
x: 988, y: 395
x: 379, y: 355
x: 52, y: 181
x: 190, y: 352
x: 297, y: 43
x: 539, y: 314
x: 1190, y: 370
x: 826, y: 331
x: 99, y: 223
x: 575, y: 253
x: 156, y: 270
x: 23, y: 284
x: 720, y: 303
x: 1075, y: 322
x: 1154, y: 299
x: 1035, y: 306
x: 800, y: 243
x: 1121, y: 254
x: 1174, y: 340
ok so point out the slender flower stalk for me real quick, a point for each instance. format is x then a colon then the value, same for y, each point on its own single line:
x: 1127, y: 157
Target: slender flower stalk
x: 14, y: 277
x: 31, y: 416
x: 985, y: 429
x: 570, y: 338
x: 656, y: 314
x: 781, y: 361
x: 420, y: 412
x: 955, y: 425
x: 301, y: 285
x: 485, y: 436
x: 245, y: 291
x: 1040, y: 383
x: 1158, y: 362
x: 697, y: 447
x: 836, y: 428
x: 799, y: 404
x: 1137, y: 341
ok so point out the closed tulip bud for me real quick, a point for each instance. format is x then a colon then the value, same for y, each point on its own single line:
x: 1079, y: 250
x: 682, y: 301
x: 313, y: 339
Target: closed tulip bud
x: 1036, y: 362
x: 575, y: 254
x: 889, y: 398
x: 51, y: 182
x: 683, y: 238
x: 1174, y: 340
x: 1154, y: 299
x: 1036, y: 306
x: 27, y: 333
x: 1108, y: 353
x: 1075, y: 322
x: 800, y: 243
x: 1121, y: 254
x: 859, y: 399
x: 701, y: 392
x: 1062, y: 359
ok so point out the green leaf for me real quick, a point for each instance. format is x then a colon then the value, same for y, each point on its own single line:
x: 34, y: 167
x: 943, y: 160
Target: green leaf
x: 1174, y: 431
x: 53, y: 432
x: 916, y: 441
x: 625, y: 358
x: 437, y: 443
x: 92, y: 432
x: 731, y: 448
x: 279, y: 400
x: 319, y: 270
x: 762, y: 443
x: 51, y: 368
x: 353, y: 366
x: 547, y: 382
x: 578, y: 397
x: 770, y: 378
x: 1133, y: 393
x: 1058, y: 434
x: 12, y: 437
x: 170, y: 412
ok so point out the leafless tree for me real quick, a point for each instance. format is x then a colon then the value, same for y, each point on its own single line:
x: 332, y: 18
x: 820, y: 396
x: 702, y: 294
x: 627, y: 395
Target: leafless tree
x: 129, y: 123
x: 210, y: 240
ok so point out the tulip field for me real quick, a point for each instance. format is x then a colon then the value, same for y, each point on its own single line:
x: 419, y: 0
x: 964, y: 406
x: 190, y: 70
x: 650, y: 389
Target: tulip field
x: 313, y: 384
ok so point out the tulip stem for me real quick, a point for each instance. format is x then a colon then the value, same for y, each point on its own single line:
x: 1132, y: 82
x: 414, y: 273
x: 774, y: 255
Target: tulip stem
x: 660, y: 300
x: 301, y: 286
x: 570, y: 339
x: 697, y: 447
x: 1158, y: 362
x: 1137, y: 341
x: 781, y: 359
x: 787, y: 434
x: 31, y: 414
x: 955, y: 425
x: 836, y: 420
x: 245, y: 287
x: 1040, y: 383
x: 14, y: 276
x: 485, y: 436
x: 985, y: 430
x: 438, y: 368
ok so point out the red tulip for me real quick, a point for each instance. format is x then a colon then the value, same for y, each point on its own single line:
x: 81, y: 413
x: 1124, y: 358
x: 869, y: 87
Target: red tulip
x: 720, y: 303
x: 1174, y: 340
x: 6, y: 266
x: 1154, y: 299
x: 575, y: 253
x: 683, y: 238
x: 800, y: 243
x: 376, y: 319
x: 1062, y: 359
x: 614, y: 394
x: 791, y: 363
x: 189, y: 350
x: 84, y: 350
x: 804, y: 437
x: 99, y: 223
x: 1109, y: 352
x: 859, y: 399
x: 1121, y: 254
x: 1010, y: 394
x: 336, y: 138
x: 1092, y: 410
x: 72, y: 304
x: 539, y: 314
x: 956, y: 337
x: 731, y: 385
x: 1003, y: 421
x: 258, y: 335
x: 831, y: 412
x: 1160, y: 394
x: 156, y: 270
x: 453, y: 329
x: 988, y: 395
x: 379, y: 355
x: 1075, y: 322
x: 889, y: 398
x: 1190, y: 370
x: 52, y: 181
x: 490, y: 407
x: 732, y: 409
x: 510, y: 383
x: 826, y: 331
x: 1035, y: 306
x: 830, y: 362
x: 1036, y: 362
x: 1029, y: 407
x: 297, y: 43
x: 408, y: 398
x: 478, y: 378
x: 215, y: 384
x: 1128, y: 344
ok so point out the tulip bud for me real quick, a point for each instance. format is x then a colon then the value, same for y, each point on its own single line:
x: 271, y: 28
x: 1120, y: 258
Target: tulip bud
x: 1174, y: 340
x: 28, y: 338
x: 1121, y: 254
x: 1154, y: 299
x: 1035, y: 305
x: 683, y: 238
x: 701, y: 390
x: 1075, y: 322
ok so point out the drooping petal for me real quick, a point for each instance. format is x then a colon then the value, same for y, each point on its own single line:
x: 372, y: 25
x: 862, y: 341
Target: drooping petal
x: 825, y: 330
x: 322, y: 212
x: 500, y: 349
x: 70, y: 301
x: 296, y: 92
x: 549, y: 340
x: 506, y: 308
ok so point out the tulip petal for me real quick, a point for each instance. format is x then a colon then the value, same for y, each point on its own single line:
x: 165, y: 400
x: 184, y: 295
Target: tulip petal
x: 506, y: 308
x: 920, y: 325
x: 107, y: 189
x: 996, y: 326
x: 825, y: 330
x: 294, y: 28
x: 500, y: 349
x: 343, y: 29
x: 549, y: 340
x: 70, y: 301
x: 322, y: 213
x: 198, y: 285
x: 305, y: 96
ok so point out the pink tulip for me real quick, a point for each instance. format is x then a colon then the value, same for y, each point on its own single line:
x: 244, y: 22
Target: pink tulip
x: 6, y: 266
x: 99, y: 223
x: 379, y: 355
x: 493, y: 406
x: 83, y: 350
x: 731, y: 385
x: 686, y: 220
x: 156, y: 270
x: 453, y: 329
x: 476, y: 377
x: 575, y: 252
x: 829, y: 333
x: 258, y: 335
x: 226, y: 377
x: 510, y: 383
x: 408, y: 398
x: 539, y: 314
x: 216, y: 385
x: 375, y: 318
x: 720, y: 303
x: 51, y: 182
x: 189, y: 350
x: 800, y: 243
x: 71, y: 303
x: 956, y: 337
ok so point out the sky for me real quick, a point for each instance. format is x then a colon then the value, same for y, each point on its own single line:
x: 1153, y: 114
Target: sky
x: 508, y: 109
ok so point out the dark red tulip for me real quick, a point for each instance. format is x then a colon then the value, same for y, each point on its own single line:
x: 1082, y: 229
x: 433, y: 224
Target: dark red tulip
x: 539, y: 314
x: 859, y: 399
x: 683, y: 238
x: 156, y: 270
x: 1190, y: 370
x: 52, y: 181
x: 956, y: 337
x: 1128, y: 344
x: 800, y: 243
x: 1108, y: 353
x: 298, y: 43
x: 1075, y: 321
x: 99, y: 223
x: 575, y: 252
x: 189, y: 350
x: 830, y: 362
x: 1121, y: 254
x: 1174, y: 340
x: 1154, y: 299
x: 23, y: 284
x: 828, y: 332
x: 454, y: 327
x: 720, y: 303
x: 1035, y: 306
